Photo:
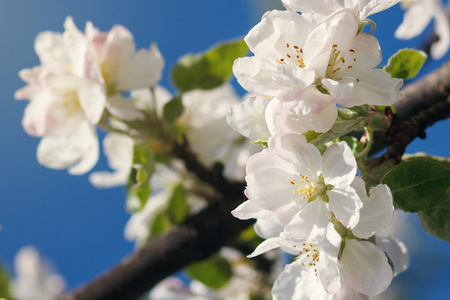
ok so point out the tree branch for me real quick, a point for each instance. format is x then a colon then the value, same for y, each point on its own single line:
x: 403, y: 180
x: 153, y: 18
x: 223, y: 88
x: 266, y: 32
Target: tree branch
x: 204, y: 234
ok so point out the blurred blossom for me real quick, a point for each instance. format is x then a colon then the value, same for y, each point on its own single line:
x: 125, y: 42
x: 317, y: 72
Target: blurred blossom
x: 35, y: 278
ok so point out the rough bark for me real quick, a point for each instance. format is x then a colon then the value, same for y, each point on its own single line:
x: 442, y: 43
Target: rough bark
x: 422, y: 104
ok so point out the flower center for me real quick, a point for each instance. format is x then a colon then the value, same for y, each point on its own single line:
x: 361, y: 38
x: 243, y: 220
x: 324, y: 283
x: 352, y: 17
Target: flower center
x: 294, y: 56
x: 308, y: 255
x: 310, y: 189
x: 71, y: 103
x: 107, y: 70
x: 339, y: 61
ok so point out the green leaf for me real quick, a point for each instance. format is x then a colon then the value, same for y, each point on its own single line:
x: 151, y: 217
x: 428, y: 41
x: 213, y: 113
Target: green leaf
x: 173, y: 109
x: 4, y: 283
x: 178, y: 207
x: 444, y: 161
x: 213, y: 272
x: 436, y: 221
x: 406, y: 63
x: 418, y: 185
x: 160, y: 224
x: 140, y: 174
x: 210, y: 69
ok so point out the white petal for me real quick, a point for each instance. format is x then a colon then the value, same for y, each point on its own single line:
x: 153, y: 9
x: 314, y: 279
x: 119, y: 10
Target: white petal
x: 123, y: 108
x: 77, y: 148
x: 365, y: 267
x: 397, y: 252
x: 144, y: 70
x: 299, y: 283
x: 328, y: 273
x: 248, y: 117
x: 339, y: 164
x: 294, y: 148
x: 415, y: 19
x: 309, y: 223
x: 345, y: 204
x: 92, y: 100
x: 376, y: 214
x: 301, y: 110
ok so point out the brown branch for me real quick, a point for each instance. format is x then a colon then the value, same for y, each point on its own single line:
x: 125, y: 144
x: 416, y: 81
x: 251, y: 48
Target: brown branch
x: 204, y: 234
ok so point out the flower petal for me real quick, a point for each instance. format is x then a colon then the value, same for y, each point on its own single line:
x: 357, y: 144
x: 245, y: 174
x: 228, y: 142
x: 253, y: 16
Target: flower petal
x: 365, y: 267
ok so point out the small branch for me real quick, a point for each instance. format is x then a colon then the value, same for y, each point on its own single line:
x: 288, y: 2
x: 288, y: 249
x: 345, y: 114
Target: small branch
x: 204, y: 233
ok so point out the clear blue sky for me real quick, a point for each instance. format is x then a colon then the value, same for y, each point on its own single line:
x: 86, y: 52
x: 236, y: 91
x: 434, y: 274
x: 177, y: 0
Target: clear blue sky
x: 81, y: 228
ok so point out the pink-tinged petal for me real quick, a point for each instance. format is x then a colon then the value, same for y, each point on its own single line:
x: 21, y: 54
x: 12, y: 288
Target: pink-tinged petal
x: 144, y: 70
x: 310, y: 222
x: 76, y: 147
x: 365, y: 267
x: 328, y: 273
x: 305, y: 109
x: 397, y: 252
x: 294, y: 148
x: 345, y: 204
x: 376, y: 214
x: 299, y: 283
x: 339, y: 164
x: 92, y: 100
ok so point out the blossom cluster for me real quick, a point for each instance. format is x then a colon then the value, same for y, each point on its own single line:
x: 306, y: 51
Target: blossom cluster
x: 82, y: 77
x: 309, y: 201
x: 311, y: 63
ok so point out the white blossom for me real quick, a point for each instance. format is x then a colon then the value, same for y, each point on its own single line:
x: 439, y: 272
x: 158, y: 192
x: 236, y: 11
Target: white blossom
x: 418, y: 15
x: 292, y: 179
x: 292, y: 52
x: 35, y: 278
x: 209, y: 134
x: 361, y: 8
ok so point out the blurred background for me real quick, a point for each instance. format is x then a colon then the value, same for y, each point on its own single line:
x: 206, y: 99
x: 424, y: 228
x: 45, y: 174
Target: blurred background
x: 80, y: 228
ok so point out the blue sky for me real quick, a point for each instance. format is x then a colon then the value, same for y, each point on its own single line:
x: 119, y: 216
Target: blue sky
x: 80, y: 227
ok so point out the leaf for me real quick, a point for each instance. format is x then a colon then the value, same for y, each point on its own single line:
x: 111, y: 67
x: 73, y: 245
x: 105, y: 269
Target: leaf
x: 173, y: 109
x: 4, y: 283
x: 178, y: 207
x: 418, y: 185
x: 160, y: 224
x: 213, y: 272
x: 210, y: 69
x: 141, y: 172
x: 406, y: 63
x: 436, y: 221
x: 444, y: 161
